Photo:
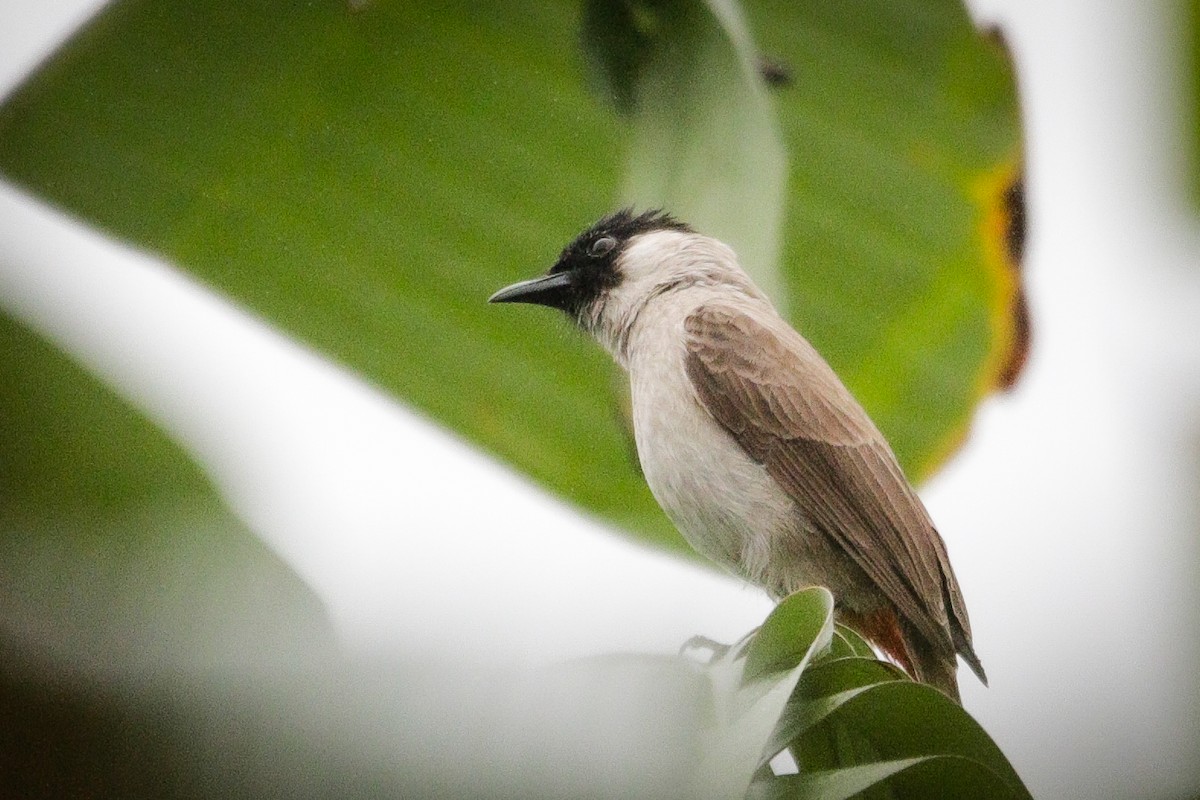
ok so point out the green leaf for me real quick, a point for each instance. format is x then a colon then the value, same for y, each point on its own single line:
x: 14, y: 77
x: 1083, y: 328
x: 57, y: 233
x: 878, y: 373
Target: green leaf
x: 113, y: 549
x: 365, y: 178
x: 848, y: 643
x: 892, y: 720
x: 751, y: 687
x: 857, y: 723
x: 1191, y: 118
x: 823, y: 688
x: 839, y: 647
x: 932, y: 776
x: 705, y: 140
x: 838, y: 675
x: 834, y: 784
x: 800, y: 626
x: 615, y: 38
x: 902, y: 128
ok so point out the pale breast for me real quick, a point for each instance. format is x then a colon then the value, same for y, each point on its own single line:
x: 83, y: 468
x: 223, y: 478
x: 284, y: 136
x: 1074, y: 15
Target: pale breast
x: 724, y: 503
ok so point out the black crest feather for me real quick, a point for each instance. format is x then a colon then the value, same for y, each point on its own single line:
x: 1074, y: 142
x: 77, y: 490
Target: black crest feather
x: 624, y: 224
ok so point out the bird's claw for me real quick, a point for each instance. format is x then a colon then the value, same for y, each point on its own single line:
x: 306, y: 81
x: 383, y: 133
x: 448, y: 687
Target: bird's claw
x: 716, y: 649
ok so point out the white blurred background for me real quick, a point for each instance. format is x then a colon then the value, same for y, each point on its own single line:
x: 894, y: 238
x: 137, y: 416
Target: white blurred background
x: 1072, y: 515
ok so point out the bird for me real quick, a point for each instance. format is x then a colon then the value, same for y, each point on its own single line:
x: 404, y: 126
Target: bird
x: 752, y: 445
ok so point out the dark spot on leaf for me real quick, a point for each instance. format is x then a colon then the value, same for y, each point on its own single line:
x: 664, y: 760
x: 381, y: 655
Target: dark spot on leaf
x: 775, y: 73
x: 1014, y: 245
x: 1014, y: 229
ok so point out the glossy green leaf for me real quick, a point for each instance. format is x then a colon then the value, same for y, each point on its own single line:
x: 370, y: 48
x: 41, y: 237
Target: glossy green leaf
x: 848, y: 643
x: 859, y: 725
x: 893, y: 720
x: 800, y: 626
x: 825, y: 686
x: 839, y: 647
x: 948, y: 777
x: 752, y: 685
x: 839, y: 675
x: 834, y: 784
x: 364, y: 175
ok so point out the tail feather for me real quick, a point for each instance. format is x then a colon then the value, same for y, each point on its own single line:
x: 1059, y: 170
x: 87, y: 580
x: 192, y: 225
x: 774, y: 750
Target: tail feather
x: 936, y: 666
x: 926, y: 663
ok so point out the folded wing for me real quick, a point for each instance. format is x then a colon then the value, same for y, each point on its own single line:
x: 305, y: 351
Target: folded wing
x: 788, y: 410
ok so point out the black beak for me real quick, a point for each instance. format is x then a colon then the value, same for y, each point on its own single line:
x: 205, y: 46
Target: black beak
x: 549, y: 290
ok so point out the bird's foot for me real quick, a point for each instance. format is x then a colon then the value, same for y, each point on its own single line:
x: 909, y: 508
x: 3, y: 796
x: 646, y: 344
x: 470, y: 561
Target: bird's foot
x: 692, y: 647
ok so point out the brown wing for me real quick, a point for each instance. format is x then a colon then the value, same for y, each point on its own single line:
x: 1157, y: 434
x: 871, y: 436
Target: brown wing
x: 789, y: 411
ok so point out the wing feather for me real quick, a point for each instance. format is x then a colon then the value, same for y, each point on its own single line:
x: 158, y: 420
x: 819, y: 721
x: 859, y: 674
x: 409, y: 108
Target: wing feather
x: 788, y: 410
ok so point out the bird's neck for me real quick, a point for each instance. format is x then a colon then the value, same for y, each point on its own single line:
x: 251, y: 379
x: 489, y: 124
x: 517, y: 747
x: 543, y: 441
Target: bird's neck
x: 656, y: 321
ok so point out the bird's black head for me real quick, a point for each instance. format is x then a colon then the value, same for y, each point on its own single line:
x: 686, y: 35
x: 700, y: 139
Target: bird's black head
x: 588, y: 266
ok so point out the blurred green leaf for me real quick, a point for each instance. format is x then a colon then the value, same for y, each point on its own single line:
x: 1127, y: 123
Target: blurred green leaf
x: 615, y: 40
x: 324, y: 725
x: 1190, y: 47
x: 365, y: 178
x: 705, y: 142
x: 902, y: 125
x: 113, y: 549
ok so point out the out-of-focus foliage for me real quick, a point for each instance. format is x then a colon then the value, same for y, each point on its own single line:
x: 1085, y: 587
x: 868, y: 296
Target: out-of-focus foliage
x: 366, y: 178
x: 902, y: 127
x: 112, y: 547
x: 1191, y: 121
x: 363, y: 176
x: 615, y: 726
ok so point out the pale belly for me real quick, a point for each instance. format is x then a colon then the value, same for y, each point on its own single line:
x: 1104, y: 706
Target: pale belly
x: 724, y: 503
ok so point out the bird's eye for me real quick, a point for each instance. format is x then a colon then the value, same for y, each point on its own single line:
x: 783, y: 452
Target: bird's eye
x: 602, y: 246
